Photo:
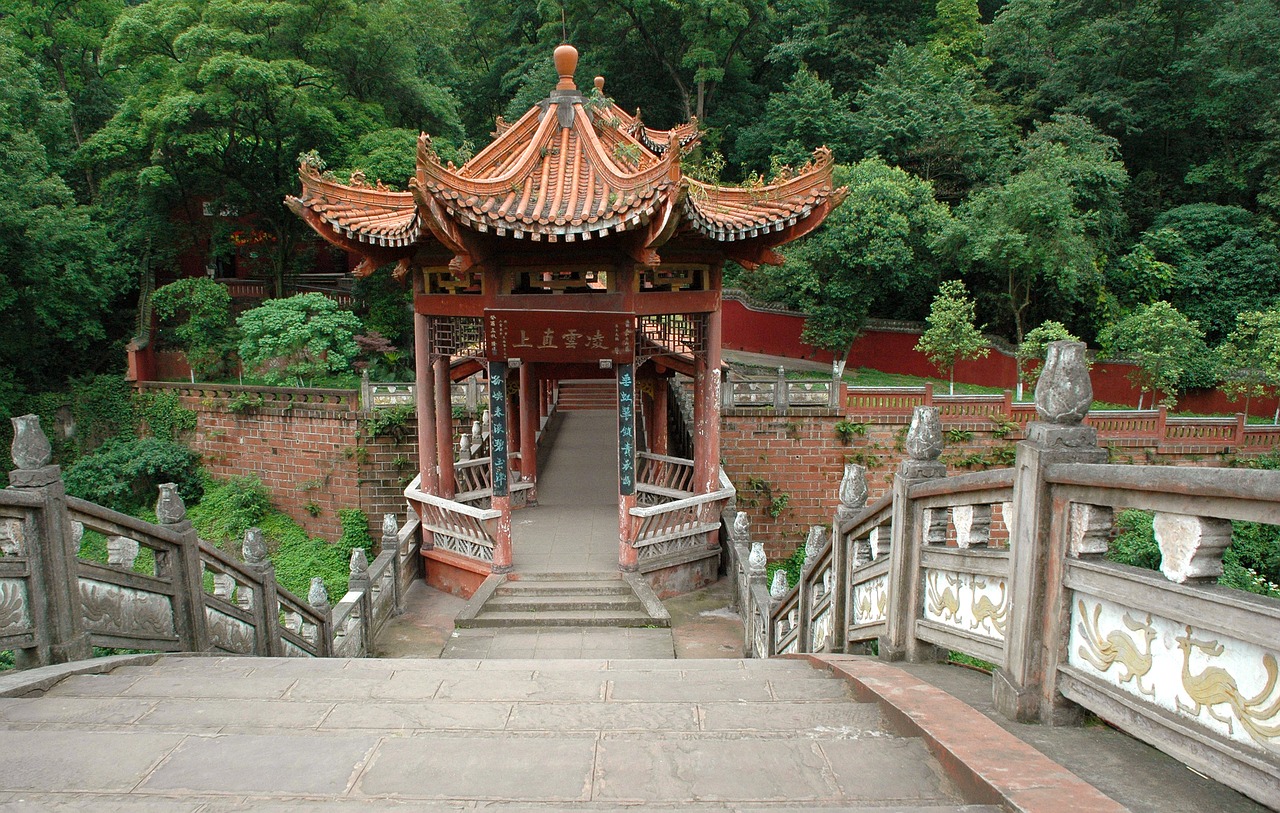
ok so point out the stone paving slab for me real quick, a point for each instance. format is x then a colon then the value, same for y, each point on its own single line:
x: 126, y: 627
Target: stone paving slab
x: 81, y: 760
x: 498, y: 768
x: 263, y: 763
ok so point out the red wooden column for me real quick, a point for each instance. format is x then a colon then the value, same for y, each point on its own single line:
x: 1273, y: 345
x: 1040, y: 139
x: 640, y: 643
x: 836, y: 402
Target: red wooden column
x: 659, y: 423
x: 706, y: 406
x: 628, y: 558
x: 444, y: 426
x: 428, y: 456
x: 529, y: 408
x: 498, y: 446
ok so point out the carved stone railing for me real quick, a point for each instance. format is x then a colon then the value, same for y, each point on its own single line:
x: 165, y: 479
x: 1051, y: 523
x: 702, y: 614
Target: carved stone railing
x: 1008, y: 566
x: 161, y: 588
x: 469, y: 394
x: 674, y: 531
x: 779, y: 393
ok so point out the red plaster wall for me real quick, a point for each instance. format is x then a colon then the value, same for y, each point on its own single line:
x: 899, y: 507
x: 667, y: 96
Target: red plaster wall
x: 893, y: 351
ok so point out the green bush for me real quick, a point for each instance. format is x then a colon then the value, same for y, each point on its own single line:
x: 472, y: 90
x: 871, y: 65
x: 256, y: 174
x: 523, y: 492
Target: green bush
x: 792, y: 565
x: 299, y: 339
x: 197, y: 311
x: 1135, y: 542
x: 229, y: 509
x: 355, y: 530
x: 164, y: 415
x: 125, y: 474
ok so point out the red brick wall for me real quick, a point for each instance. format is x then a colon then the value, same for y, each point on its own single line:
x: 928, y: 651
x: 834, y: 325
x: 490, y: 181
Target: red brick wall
x: 307, y: 446
x: 800, y: 455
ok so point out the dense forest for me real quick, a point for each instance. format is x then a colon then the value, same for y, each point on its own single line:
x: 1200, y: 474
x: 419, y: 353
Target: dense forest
x: 1069, y: 160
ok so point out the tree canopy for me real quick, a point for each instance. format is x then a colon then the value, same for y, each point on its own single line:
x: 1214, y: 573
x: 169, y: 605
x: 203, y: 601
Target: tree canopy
x: 1070, y: 160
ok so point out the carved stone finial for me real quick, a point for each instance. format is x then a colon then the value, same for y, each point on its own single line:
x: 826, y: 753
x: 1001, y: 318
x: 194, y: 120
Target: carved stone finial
x: 475, y: 429
x: 779, y: 587
x: 359, y: 567
x: 1064, y: 392
x: 30, y: 449
x: 170, y: 509
x: 756, y: 560
x: 853, y: 490
x: 486, y: 418
x: 254, y: 549
x: 924, y: 438
x: 318, y: 596
x: 741, y: 526
x: 464, y: 447
x: 390, y: 529
x: 813, y: 542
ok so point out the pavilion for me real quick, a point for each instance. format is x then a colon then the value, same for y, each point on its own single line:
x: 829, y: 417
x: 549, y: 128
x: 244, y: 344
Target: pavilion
x: 572, y: 246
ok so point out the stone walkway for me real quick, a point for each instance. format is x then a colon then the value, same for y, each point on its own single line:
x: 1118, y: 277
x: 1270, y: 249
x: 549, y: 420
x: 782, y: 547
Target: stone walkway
x: 224, y: 734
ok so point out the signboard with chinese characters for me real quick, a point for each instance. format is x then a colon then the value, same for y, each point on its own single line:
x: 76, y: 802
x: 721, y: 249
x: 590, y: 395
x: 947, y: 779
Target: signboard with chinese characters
x: 563, y: 336
x: 498, y: 426
x: 626, y: 430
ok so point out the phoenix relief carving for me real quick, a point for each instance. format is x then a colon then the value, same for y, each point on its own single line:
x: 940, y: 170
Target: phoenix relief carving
x: 1117, y: 647
x: 1216, y: 686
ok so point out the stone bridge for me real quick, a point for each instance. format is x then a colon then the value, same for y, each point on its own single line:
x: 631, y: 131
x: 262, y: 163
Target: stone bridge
x: 1003, y: 566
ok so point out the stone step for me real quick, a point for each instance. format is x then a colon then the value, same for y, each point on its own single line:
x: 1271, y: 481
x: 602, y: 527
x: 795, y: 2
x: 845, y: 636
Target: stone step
x: 557, y: 587
x: 564, y: 576
x: 563, y: 618
x: 562, y: 601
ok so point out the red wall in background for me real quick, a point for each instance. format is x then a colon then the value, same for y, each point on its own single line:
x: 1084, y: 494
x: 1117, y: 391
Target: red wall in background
x: 893, y: 351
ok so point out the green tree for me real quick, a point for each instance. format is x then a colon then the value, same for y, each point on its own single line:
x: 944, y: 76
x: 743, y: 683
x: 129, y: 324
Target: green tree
x: 198, y: 312
x: 871, y: 253
x: 1251, y: 357
x: 294, y: 340
x: 951, y: 334
x: 223, y: 95
x: 1039, y: 237
x: 923, y: 113
x: 1223, y: 265
x: 63, y: 285
x: 804, y: 115
x: 1031, y: 350
x: 957, y: 34
x: 1164, y: 345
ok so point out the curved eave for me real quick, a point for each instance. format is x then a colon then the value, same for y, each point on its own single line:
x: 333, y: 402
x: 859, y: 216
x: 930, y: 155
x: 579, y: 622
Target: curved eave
x: 374, y: 217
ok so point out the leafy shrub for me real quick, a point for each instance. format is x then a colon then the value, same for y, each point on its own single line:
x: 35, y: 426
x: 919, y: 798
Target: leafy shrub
x: 199, y: 312
x: 164, y: 415
x: 1135, y: 542
x: 125, y: 474
x: 229, y: 509
x: 287, y: 341
x: 355, y: 530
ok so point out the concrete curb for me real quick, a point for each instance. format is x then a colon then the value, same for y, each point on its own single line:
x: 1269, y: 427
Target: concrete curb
x: 482, y: 594
x: 979, y: 756
x: 29, y: 682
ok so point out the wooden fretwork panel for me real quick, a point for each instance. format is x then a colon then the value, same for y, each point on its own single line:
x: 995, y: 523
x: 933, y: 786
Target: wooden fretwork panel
x: 673, y: 278
x: 443, y: 281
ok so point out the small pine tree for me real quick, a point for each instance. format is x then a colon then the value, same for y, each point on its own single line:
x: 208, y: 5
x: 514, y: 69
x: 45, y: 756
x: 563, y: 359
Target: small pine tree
x: 951, y: 334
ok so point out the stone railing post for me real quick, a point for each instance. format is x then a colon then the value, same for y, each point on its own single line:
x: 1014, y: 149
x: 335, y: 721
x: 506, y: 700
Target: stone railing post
x: 54, y: 595
x: 366, y: 393
x: 267, y: 614
x: 318, y: 600
x: 780, y: 395
x: 755, y: 586
x: 1024, y: 689
x: 391, y: 542
x: 924, y: 445
x: 853, y: 500
x: 358, y: 581
x: 813, y: 543
x: 182, y: 567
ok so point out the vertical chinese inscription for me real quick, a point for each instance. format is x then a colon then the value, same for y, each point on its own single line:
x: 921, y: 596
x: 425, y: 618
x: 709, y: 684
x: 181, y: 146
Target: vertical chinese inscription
x: 626, y: 429
x: 498, y: 425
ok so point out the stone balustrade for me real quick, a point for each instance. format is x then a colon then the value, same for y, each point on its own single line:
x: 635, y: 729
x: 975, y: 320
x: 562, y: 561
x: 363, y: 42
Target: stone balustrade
x: 1008, y: 566
x: 161, y: 588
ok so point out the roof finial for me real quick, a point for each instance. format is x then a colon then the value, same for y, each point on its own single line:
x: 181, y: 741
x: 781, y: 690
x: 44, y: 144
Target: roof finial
x: 600, y: 84
x: 566, y: 59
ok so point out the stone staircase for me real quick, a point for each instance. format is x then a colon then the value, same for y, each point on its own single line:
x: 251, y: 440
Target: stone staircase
x: 587, y: 394
x: 210, y: 733
x: 564, y: 600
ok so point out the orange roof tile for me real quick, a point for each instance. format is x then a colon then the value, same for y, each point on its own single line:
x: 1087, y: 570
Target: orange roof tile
x: 572, y: 168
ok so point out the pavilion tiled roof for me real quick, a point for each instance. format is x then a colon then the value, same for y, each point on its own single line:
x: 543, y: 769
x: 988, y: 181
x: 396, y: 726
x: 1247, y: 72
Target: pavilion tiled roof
x: 573, y: 168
